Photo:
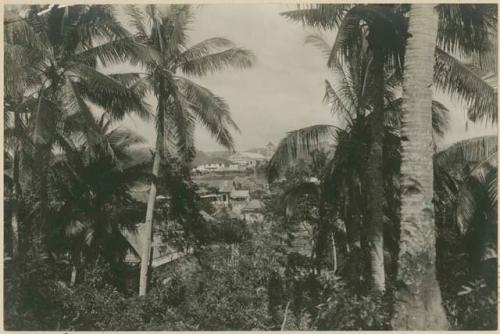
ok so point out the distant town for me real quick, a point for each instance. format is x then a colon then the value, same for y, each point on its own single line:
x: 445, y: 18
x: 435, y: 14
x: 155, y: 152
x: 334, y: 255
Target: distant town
x: 233, y: 183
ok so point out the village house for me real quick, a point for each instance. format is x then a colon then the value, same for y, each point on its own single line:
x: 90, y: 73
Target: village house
x: 247, y: 159
x: 252, y: 212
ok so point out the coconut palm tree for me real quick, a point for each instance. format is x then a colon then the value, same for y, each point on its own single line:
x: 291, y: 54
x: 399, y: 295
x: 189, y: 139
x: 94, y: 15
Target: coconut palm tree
x: 353, y: 96
x: 312, y: 187
x: 466, y: 175
x: 465, y: 46
x: 54, y: 54
x: 91, y: 192
x: 382, y: 20
x: 180, y: 101
x: 416, y: 266
x: 367, y: 24
x: 418, y: 305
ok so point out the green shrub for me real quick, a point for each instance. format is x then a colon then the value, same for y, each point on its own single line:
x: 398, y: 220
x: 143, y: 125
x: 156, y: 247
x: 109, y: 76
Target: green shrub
x: 474, y: 307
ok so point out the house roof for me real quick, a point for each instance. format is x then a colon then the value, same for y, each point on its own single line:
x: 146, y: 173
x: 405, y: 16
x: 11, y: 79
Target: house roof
x: 207, y: 218
x: 211, y: 196
x: 240, y: 194
x: 253, y: 205
x: 215, y: 160
x: 225, y: 213
x: 226, y: 187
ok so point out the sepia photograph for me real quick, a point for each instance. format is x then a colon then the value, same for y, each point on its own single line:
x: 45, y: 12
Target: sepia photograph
x: 250, y: 166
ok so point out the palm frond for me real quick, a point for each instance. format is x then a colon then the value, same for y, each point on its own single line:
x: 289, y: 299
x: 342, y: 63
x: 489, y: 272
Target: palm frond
x: 340, y: 100
x: 465, y: 28
x: 326, y: 16
x: 234, y: 57
x: 381, y: 26
x: 465, y: 208
x: 45, y: 117
x: 180, y: 121
x: 23, y: 70
x: 205, y: 48
x: 97, y: 22
x: 476, y: 151
x: 319, y: 41
x: 211, y: 111
x: 22, y: 33
x: 75, y: 228
x: 177, y: 20
x: 121, y: 139
x: 460, y: 82
x: 117, y: 51
x: 78, y: 111
x: 293, y: 194
x: 440, y: 118
x: 110, y: 93
x: 493, y: 187
x: 137, y: 18
x: 348, y: 39
x: 299, y: 144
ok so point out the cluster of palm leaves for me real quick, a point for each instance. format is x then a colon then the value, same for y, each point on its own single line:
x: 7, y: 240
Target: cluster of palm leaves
x: 361, y: 180
x: 68, y: 170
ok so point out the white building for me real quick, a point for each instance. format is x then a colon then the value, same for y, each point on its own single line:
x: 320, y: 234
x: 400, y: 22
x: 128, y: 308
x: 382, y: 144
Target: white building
x: 216, y: 167
x: 247, y: 159
x: 239, y: 199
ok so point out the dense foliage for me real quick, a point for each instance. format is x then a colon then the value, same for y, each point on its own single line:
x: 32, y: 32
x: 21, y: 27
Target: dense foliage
x: 74, y: 181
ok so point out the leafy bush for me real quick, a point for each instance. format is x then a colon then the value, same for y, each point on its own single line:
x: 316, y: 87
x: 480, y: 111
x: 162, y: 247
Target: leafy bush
x: 346, y: 310
x: 474, y: 307
x: 247, y: 286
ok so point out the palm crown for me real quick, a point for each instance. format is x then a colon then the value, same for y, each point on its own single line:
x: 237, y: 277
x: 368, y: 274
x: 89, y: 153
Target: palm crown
x: 181, y: 101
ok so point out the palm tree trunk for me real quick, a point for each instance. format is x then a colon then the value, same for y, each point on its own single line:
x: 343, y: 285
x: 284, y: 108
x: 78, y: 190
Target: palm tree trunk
x: 15, y: 231
x: 16, y: 197
x: 146, y: 252
x: 73, y: 275
x: 374, y: 181
x: 418, y: 298
x: 40, y: 247
x: 334, y: 254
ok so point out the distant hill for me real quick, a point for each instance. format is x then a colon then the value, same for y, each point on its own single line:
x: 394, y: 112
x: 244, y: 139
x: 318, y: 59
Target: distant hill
x: 144, y: 154
x: 202, y: 158
x: 266, y: 151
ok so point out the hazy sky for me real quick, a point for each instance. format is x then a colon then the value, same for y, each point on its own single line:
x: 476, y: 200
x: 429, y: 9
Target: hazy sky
x: 284, y: 90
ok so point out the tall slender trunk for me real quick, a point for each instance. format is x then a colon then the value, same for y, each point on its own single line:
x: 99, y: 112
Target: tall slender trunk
x: 319, y: 234
x: 15, y: 230
x: 353, y: 226
x: 334, y: 253
x: 357, y: 265
x: 418, y: 298
x: 374, y: 181
x: 42, y: 156
x: 73, y: 275
x: 146, y: 252
x: 16, y: 193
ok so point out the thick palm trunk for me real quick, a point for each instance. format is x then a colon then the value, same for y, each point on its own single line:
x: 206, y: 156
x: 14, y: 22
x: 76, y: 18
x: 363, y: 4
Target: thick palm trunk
x: 146, y: 252
x: 418, y: 298
x: 374, y: 181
